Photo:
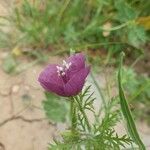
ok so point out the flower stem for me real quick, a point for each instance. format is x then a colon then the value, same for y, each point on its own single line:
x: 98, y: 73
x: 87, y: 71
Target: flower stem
x: 83, y: 113
x: 73, y: 115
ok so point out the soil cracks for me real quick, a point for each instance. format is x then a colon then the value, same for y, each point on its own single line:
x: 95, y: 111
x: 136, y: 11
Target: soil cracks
x: 22, y: 119
x: 2, y: 147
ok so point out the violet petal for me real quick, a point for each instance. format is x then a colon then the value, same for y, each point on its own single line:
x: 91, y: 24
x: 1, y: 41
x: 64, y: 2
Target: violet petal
x: 76, y: 83
x: 50, y: 80
x: 77, y: 63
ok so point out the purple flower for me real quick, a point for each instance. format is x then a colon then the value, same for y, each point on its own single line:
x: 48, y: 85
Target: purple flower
x: 67, y: 79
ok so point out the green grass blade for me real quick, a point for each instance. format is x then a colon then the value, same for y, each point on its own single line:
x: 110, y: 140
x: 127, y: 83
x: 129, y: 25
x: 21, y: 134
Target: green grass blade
x: 126, y: 111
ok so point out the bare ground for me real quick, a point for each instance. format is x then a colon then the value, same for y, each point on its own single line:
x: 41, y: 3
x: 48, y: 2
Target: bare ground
x: 23, y: 125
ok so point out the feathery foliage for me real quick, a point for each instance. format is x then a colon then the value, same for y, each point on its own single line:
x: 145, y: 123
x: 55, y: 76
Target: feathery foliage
x: 99, y: 134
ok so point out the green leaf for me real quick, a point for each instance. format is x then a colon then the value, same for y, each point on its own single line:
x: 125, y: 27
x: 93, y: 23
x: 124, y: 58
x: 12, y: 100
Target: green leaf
x: 55, y: 107
x: 126, y: 111
x: 136, y: 35
x: 125, y: 12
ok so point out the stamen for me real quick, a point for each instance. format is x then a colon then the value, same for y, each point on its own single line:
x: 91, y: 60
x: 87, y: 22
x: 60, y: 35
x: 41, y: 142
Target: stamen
x: 57, y: 68
x: 64, y: 63
x: 63, y: 73
x: 61, y: 70
x: 69, y: 64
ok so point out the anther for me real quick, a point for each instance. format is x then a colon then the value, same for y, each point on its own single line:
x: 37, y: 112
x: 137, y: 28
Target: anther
x: 63, y: 73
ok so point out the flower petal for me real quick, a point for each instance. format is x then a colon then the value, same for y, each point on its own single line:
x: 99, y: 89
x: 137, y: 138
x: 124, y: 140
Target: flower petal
x: 50, y: 87
x: 50, y: 80
x: 77, y: 63
x: 77, y: 60
x: 76, y: 83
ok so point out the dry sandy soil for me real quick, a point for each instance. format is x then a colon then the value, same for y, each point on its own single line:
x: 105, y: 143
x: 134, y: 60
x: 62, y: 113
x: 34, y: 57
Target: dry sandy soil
x: 22, y: 121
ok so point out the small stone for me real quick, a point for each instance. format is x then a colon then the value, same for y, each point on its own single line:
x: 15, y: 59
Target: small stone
x: 107, y: 26
x: 15, y: 89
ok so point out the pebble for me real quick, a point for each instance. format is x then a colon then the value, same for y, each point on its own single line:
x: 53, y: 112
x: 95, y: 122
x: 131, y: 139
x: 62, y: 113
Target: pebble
x: 15, y: 89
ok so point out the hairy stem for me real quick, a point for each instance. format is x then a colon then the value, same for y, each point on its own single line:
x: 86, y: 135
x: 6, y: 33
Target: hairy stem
x: 73, y: 115
x: 83, y: 112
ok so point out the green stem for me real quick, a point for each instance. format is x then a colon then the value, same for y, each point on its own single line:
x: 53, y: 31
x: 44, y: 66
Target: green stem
x: 83, y: 113
x: 73, y: 115
x: 117, y: 27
